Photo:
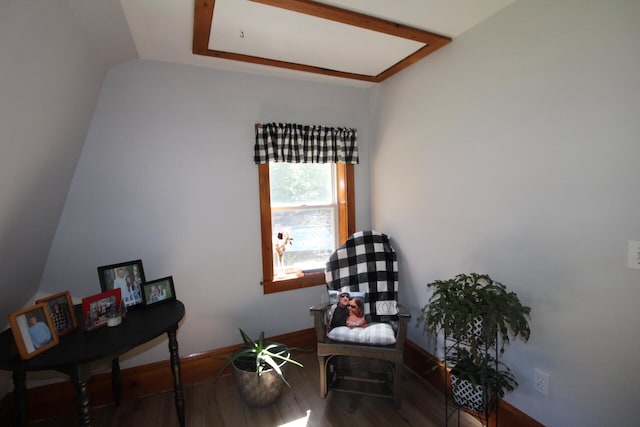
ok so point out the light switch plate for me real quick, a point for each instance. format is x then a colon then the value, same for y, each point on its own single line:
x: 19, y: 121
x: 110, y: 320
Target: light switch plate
x: 633, y: 255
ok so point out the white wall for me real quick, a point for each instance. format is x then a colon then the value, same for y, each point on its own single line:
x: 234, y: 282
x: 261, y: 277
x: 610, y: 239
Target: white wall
x: 514, y: 151
x: 167, y: 175
x: 49, y: 84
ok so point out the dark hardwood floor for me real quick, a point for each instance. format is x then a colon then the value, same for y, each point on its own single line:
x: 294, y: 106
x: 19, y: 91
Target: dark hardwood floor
x: 219, y: 404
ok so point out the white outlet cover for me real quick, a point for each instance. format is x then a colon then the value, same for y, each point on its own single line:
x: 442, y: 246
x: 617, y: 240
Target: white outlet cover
x: 633, y: 255
x: 541, y: 382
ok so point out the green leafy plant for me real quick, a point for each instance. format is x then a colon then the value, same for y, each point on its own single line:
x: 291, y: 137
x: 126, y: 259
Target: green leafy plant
x: 467, y: 298
x: 488, y: 373
x: 259, y: 356
x: 477, y: 314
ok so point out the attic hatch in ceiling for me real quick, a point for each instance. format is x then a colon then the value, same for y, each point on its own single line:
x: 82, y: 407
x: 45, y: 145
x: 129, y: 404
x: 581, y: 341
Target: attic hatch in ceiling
x: 308, y: 36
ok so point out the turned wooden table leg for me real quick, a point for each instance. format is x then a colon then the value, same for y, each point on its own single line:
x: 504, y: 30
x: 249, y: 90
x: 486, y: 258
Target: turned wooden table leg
x: 116, y: 382
x: 80, y: 380
x: 20, y: 397
x: 175, y: 370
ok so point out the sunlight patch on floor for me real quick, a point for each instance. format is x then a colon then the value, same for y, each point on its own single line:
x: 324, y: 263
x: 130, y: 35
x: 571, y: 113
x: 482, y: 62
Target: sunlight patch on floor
x: 300, y: 422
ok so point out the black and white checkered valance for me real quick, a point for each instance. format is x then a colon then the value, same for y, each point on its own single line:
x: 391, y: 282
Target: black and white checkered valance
x: 293, y: 143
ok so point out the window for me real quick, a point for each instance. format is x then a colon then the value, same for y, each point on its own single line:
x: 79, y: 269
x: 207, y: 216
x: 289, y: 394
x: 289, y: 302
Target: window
x: 314, y: 204
x: 304, y: 209
x: 306, y: 194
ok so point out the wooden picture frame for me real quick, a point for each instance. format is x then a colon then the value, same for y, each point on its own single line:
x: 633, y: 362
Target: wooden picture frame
x: 61, y: 312
x: 158, y: 291
x: 96, y: 309
x: 127, y: 276
x: 33, y: 330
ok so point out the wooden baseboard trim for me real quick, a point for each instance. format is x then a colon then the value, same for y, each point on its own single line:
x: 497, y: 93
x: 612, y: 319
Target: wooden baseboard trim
x: 59, y: 398
x: 430, y: 368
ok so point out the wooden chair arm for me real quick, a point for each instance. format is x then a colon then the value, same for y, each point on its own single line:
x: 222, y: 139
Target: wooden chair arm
x: 403, y: 311
x: 319, y: 314
x: 403, y: 318
x: 320, y: 307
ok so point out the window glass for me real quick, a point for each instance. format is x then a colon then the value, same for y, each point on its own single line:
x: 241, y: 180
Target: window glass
x: 304, y: 206
x: 301, y: 183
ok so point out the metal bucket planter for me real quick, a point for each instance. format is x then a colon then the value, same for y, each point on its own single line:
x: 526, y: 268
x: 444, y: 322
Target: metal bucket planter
x: 260, y: 390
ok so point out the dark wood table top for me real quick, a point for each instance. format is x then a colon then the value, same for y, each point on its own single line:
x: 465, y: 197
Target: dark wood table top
x: 79, y: 347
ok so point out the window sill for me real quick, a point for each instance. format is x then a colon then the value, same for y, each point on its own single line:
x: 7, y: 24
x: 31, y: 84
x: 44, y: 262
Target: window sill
x: 297, y: 281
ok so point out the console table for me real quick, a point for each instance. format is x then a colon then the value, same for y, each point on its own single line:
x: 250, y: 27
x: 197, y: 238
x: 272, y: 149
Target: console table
x: 77, y: 350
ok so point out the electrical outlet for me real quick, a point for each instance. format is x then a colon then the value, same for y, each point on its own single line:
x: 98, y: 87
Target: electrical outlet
x: 633, y: 255
x: 541, y: 382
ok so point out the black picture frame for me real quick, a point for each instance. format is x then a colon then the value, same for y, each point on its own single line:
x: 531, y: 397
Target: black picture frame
x: 158, y: 291
x: 131, y: 284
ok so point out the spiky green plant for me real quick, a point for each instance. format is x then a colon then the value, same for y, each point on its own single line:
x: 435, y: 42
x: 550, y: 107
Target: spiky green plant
x: 259, y: 356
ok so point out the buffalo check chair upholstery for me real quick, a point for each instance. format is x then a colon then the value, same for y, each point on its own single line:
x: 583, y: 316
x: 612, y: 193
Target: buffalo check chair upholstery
x: 365, y: 264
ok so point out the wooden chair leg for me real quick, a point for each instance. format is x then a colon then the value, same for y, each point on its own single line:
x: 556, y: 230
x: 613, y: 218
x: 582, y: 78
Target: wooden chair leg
x: 323, y: 376
x: 397, y: 384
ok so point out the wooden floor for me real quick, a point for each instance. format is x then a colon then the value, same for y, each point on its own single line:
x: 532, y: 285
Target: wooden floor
x: 218, y: 404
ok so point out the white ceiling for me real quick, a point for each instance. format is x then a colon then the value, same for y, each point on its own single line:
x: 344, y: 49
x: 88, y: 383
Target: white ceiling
x: 162, y: 30
x: 251, y: 28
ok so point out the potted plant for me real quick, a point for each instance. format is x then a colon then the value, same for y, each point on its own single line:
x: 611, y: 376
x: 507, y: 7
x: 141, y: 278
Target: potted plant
x: 475, y: 383
x: 258, y: 368
x: 477, y: 316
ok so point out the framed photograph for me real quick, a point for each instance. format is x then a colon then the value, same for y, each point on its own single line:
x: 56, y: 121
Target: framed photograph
x: 33, y: 330
x: 158, y: 291
x: 126, y: 276
x: 96, y: 309
x: 62, y: 313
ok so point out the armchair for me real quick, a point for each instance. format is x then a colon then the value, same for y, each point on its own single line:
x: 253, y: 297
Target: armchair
x: 365, y: 263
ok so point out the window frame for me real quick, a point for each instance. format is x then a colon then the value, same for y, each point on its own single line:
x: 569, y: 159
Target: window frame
x: 346, y: 226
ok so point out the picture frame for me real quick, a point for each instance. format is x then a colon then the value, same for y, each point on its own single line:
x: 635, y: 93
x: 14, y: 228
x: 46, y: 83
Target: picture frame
x: 127, y: 276
x: 158, y: 291
x: 33, y: 330
x: 96, y: 309
x: 62, y: 313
